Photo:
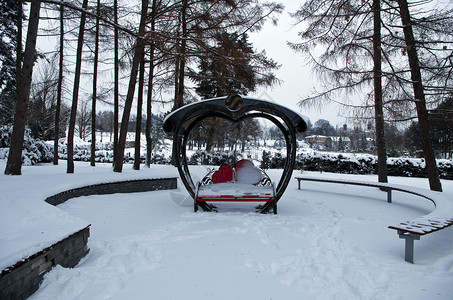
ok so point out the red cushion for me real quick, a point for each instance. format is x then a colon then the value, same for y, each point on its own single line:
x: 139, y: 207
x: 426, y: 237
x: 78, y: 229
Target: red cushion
x: 224, y: 174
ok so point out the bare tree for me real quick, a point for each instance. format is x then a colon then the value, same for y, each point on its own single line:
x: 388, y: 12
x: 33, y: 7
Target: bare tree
x: 419, y: 95
x: 84, y: 125
x: 75, y: 93
x: 59, y: 88
x: 350, y: 33
x: 116, y: 82
x: 138, y: 56
x: 149, y: 115
x: 138, y: 124
x: 95, y: 82
x: 378, y: 103
x: 14, y: 163
x: 344, y: 30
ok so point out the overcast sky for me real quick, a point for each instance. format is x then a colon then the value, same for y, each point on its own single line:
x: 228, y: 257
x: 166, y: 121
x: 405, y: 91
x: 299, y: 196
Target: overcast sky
x: 298, y: 79
x: 296, y: 75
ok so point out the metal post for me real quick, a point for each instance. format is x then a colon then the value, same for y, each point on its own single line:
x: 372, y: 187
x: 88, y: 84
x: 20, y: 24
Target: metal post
x: 409, y: 245
x: 298, y: 183
x: 389, y: 195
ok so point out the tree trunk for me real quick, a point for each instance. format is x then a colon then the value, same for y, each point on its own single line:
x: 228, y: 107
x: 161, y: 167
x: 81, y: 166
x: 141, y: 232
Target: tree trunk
x: 138, y: 125
x: 138, y: 55
x: 14, y: 164
x: 116, y: 85
x: 75, y: 93
x: 59, y: 89
x: 180, y: 66
x: 149, y: 115
x: 378, y: 111
x: 420, y: 102
x: 95, y: 80
x: 177, y: 65
x: 182, y: 60
x: 20, y: 12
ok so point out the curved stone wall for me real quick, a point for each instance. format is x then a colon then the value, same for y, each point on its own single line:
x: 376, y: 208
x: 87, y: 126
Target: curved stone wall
x: 130, y: 186
x: 23, y: 278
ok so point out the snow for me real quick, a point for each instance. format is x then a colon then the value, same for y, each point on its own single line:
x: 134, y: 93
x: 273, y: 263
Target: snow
x: 28, y: 224
x: 328, y: 241
x: 234, y: 189
x: 247, y: 173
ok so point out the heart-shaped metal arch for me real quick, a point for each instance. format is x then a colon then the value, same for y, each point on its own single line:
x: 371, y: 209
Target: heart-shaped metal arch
x: 181, y: 122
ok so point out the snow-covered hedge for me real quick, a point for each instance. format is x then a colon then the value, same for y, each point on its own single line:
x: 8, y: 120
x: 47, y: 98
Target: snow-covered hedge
x: 367, y: 164
x: 336, y: 163
x: 82, y: 152
x: 346, y: 163
x: 202, y: 157
x: 34, y: 151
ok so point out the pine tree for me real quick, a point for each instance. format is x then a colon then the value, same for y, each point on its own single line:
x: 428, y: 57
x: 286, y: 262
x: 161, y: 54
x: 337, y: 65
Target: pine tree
x: 233, y: 67
x: 8, y: 45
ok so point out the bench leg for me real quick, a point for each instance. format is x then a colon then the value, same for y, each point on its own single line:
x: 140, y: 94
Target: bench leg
x: 389, y: 195
x: 409, y: 245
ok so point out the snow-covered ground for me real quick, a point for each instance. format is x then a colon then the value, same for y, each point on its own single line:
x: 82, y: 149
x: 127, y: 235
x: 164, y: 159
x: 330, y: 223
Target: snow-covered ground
x: 327, y: 241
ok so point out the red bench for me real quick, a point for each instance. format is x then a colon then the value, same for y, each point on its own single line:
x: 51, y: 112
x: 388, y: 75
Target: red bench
x: 244, y: 183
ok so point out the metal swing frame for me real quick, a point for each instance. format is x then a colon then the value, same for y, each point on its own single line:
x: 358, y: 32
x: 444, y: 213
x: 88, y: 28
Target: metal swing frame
x: 234, y: 108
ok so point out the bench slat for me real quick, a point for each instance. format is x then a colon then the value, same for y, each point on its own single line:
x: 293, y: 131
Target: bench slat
x: 422, y: 226
x: 227, y: 198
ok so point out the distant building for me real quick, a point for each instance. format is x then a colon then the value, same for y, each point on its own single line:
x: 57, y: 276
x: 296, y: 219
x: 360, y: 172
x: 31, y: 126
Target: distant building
x: 318, y: 142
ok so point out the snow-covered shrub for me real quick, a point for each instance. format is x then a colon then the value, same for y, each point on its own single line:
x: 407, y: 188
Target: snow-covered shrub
x: 222, y: 158
x: 277, y: 161
x: 445, y: 169
x: 5, y: 136
x: 34, y: 151
x: 200, y: 157
x: 160, y: 159
x: 4, y: 153
x: 265, y: 160
x: 408, y: 167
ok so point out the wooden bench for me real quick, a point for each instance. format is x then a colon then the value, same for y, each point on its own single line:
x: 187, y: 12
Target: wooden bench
x: 440, y: 218
x: 221, y: 186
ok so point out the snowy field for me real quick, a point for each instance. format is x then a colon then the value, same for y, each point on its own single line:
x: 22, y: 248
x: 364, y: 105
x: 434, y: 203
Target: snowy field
x: 328, y: 241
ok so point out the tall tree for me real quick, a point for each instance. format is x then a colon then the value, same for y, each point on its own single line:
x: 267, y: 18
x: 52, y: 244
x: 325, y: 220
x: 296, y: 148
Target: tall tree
x: 95, y: 83
x: 181, y: 68
x: 19, y: 44
x: 198, y: 25
x: 233, y: 67
x: 11, y: 17
x: 14, y: 164
x: 138, y: 56
x: 441, y: 122
x: 84, y: 119
x: 419, y: 97
x: 59, y: 88
x: 344, y: 30
x: 149, y: 115
x: 350, y: 33
x: 378, y: 103
x: 43, y: 97
x: 75, y: 93
x: 116, y: 82
x: 138, y: 124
